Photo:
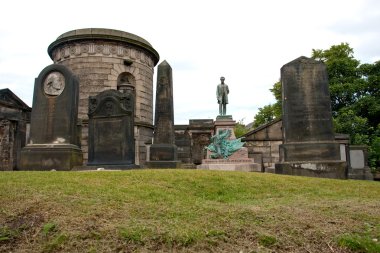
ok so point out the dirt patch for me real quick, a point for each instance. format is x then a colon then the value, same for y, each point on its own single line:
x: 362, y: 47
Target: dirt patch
x: 23, y: 227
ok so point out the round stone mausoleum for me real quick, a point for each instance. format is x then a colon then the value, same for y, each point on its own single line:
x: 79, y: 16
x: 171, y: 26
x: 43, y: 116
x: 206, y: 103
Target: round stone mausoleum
x: 106, y: 59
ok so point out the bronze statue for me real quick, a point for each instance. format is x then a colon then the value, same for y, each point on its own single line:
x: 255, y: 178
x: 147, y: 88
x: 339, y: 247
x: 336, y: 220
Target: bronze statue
x: 222, y: 96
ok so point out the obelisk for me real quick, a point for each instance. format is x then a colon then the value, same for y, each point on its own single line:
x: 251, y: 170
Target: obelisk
x: 309, y: 147
x: 163, y: 152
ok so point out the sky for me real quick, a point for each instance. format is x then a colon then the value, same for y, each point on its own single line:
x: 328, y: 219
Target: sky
x: 246, y: 41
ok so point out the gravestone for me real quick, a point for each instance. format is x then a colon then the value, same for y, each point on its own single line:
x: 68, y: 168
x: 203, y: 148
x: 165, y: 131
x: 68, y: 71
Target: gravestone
x: 309, y: 147
x: 163, y: 152
x: 53, y: 132
x: 111, y: 128
x: 358, y: 168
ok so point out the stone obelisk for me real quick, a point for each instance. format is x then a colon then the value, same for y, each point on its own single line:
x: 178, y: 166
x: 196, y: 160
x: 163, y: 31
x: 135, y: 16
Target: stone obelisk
x: 309, y: 147
x: 163, y: 152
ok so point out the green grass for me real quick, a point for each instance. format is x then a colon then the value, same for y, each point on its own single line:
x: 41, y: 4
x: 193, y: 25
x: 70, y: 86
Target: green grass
x: 186, y: 211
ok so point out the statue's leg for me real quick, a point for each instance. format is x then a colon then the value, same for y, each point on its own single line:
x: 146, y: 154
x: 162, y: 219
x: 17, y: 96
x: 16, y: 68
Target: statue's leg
x: 220, y: 109
x: 224, y: 109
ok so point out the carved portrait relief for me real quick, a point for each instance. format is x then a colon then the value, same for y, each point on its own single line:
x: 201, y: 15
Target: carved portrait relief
x: 54, y: 84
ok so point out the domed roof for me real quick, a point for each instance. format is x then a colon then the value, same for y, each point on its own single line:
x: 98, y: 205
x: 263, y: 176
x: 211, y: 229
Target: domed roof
x: 103, y: 34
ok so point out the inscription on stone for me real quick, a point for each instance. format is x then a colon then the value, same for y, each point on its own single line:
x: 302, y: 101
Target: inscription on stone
x: 111, y: 128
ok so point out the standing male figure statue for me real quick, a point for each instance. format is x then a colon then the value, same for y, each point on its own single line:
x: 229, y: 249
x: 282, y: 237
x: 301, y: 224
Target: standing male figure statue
x: 222, y: 96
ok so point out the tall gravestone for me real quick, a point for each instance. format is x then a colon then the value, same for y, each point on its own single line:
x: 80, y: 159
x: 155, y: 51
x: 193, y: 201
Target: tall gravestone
x: 163, y: 152
x: 309, y: 147
x: 111, y: 128
x: 53, y: 132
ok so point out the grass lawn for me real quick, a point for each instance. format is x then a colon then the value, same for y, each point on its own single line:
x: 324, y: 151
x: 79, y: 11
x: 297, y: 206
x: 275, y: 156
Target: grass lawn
x: 186, y: 211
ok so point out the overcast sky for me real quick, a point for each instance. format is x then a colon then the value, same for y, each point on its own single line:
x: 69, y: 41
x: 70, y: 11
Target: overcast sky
x: 246, y: 41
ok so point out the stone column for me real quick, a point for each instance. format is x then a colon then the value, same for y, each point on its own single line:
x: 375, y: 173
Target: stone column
x: 309, y: 147
x: 163, y: 152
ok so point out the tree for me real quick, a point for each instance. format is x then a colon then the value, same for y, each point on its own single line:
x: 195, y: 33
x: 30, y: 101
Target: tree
x: 240, y: 129
x: 271, y: 111
x: 345, y: 81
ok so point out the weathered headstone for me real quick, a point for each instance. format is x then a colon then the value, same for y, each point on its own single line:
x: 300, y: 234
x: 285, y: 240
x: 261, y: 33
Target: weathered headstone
x: 53, y: 133
x: 111, y: 128
x: 163, y: 152
x: 309, y: 147
x: 358, y: 168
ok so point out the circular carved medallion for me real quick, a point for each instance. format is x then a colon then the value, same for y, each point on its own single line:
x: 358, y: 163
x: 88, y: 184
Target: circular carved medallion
x: 54, y: 84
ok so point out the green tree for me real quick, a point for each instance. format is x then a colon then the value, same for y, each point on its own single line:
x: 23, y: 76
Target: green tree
x: 271, y: 111
x: 345, y: 81
x: 240, y: 129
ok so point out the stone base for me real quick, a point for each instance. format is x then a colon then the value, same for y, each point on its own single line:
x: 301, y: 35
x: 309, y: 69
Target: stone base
x: 270, y: 170
x: 224, y: 117
x: 246, y: 165
x: 107, y: 167
x: 50, y: 156
x: 310, y: 151
x: 162, y: 164
x: 325, y: 169
x: 360, y: 174
x: 163, y: 152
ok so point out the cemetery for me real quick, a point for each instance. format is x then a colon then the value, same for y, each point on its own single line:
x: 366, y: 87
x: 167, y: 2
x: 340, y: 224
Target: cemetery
x: 93, y: 108
x: 97, y: 164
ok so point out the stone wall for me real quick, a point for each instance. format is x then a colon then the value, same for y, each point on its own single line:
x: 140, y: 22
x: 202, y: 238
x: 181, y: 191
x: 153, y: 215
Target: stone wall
x: 7, y: 150
x: 14, y: 121
x: 191, y: 140
x: 263, y: 144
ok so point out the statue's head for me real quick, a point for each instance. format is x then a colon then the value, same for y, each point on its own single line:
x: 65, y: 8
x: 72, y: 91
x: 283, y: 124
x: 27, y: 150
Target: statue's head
x: 222, y: 78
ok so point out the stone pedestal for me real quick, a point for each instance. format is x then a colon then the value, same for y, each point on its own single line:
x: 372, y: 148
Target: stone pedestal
x: 309, y: 147
x: 225, y: 122
x: 238, y: 161
x: 50, y: 156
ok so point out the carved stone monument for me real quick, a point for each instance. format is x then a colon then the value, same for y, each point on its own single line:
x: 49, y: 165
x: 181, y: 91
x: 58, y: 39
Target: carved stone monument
x: 111, y: 128
x: 53, y: 133
x: 225, y: 152
x: 163, y: 152
x: 309, y: 147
